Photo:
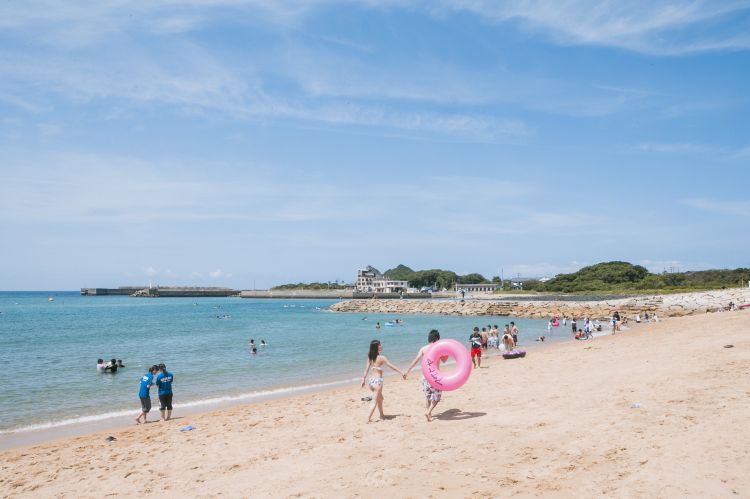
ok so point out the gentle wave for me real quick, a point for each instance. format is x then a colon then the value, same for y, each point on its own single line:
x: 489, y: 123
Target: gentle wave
x: 244, y: 397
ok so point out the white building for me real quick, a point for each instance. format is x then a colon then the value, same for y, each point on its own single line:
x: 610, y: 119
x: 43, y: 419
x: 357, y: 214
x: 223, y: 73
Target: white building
x: 475, y: 288
x: 370, y: 280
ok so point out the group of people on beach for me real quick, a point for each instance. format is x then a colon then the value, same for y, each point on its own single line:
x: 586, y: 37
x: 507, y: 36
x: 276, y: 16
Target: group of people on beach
x: 163, y: 379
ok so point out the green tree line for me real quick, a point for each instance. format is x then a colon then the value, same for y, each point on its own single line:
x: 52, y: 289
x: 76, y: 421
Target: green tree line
x: 624, y: 277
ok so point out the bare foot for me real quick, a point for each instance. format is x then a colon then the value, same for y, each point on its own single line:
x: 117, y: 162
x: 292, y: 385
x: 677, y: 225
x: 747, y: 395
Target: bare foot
x: 428, y: 416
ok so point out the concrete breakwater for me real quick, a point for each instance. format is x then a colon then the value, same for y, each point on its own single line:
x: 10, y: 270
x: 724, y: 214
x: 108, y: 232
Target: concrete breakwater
x: 664, y: 305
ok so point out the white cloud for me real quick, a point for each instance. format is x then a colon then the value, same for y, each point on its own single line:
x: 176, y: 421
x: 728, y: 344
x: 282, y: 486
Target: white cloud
x: 676, y: 148
x: 739, y: 208
x: 645, y: 26
x: 150, y: 271
x: 219, y: 274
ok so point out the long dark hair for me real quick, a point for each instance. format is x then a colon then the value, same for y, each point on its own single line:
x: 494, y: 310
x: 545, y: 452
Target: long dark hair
x: 373, y: 353
x: 433, y: 336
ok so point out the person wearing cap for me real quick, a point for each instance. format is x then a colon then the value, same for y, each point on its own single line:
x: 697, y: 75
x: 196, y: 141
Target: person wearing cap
x: 164, y: 382
x: 143, y: 393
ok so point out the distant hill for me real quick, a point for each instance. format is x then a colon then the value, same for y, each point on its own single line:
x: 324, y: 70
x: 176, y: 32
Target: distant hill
x: 624, y: 277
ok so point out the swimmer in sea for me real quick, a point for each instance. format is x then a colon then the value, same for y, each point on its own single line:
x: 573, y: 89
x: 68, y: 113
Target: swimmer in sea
x: 376, y: 361
x: 377, y: 325
x: 263, y: 343
x: 100, y: 365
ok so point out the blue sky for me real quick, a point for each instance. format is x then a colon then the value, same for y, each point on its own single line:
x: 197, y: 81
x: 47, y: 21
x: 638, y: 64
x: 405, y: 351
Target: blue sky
x: 251, y: 143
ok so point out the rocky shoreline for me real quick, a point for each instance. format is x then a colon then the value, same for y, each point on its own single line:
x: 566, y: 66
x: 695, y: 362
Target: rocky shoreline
x: 675, y: 305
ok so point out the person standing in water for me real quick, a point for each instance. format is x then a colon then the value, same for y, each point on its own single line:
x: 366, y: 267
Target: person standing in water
x: 164, y: 382
x: 376, y: 361
x: 432, y: 395
x: 144, y: 394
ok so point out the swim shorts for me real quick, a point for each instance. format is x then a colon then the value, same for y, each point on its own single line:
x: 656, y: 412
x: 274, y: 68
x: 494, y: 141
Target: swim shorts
x: 145, y: 404
x: 166, y: 402
x: 431, y: 393
x: 476, y: 352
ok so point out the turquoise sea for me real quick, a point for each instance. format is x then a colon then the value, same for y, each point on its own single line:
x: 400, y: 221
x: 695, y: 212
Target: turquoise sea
x: 48, y: 350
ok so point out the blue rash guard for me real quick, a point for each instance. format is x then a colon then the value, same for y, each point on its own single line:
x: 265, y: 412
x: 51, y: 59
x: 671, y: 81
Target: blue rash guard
x: 146, y: 382
x: 164, y: 382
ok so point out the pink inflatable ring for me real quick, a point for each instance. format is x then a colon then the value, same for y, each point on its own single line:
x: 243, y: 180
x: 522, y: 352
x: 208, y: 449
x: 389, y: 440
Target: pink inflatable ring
x: 431, y: 370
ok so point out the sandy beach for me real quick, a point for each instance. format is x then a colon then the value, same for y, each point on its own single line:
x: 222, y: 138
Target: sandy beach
x: 657, y: 411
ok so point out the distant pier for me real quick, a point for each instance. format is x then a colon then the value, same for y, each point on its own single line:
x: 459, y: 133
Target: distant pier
x: 160, y: 292
x: 198, y: 292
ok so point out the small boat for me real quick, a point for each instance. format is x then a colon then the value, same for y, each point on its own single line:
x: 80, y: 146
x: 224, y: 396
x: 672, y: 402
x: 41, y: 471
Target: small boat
x: 50, y: 299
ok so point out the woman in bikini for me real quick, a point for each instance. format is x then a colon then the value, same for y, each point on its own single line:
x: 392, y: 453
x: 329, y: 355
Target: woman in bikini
x: 375, y: 361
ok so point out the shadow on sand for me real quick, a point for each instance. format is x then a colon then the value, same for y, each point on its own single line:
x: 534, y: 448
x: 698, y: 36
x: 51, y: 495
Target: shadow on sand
x: 458, y: 415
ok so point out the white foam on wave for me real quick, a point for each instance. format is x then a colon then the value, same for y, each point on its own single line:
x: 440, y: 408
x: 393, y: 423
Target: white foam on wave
x: 224, y: 400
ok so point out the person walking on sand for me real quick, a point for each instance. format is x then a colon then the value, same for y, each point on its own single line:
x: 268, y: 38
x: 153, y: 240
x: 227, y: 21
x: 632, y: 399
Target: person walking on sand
x: 376, y: 361
x: 144, y: 394
x: 432, y: 395
x: 164, y: 382
x: 476, y: 348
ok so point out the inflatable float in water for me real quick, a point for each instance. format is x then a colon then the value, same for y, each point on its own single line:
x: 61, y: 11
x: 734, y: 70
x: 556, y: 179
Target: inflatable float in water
x: 514, y: 354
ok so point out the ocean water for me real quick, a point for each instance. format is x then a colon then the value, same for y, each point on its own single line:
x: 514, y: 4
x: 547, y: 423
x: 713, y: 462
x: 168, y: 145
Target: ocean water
x: 48, y: 350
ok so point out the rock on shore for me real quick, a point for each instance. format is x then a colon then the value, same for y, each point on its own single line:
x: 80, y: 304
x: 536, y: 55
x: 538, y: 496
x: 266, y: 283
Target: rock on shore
x: 674, y: 305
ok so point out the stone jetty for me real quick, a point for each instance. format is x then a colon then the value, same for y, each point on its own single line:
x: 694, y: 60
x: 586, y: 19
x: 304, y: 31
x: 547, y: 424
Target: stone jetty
x: 671, y: 305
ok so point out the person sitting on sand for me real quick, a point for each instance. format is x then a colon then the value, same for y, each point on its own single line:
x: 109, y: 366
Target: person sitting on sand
x: 432, y: 395
x: 376, y: 361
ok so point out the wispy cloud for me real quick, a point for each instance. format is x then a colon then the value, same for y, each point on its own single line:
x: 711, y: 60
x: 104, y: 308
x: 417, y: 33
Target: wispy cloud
x: 657, y: 28
x: 739, y: 208
x: 677, y: 148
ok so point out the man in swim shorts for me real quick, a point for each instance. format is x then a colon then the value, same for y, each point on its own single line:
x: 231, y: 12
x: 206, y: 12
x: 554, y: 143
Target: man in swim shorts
x: 143, y: 393
x: 164, y: 382
x: 476, y: 348
x: 514, y: 332
x: 485, y: 338
x: 432, y: 395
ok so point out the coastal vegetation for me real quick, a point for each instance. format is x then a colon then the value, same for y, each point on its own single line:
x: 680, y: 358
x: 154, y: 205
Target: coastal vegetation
x: 623, y: 277
x: 435, y: 278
